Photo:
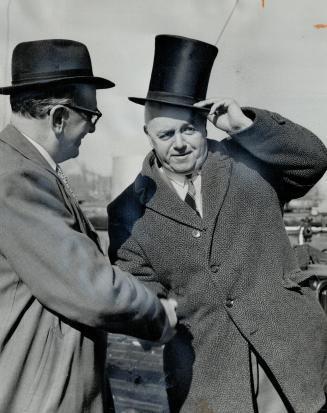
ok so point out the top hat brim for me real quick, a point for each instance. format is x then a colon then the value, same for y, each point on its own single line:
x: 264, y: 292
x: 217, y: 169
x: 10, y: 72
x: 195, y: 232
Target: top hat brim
x: 142, y: 101
x: 98, y: 82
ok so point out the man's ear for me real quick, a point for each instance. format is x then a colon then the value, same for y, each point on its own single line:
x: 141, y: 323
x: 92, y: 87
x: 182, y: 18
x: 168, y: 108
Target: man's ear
x: 58, y: 117
x: 203, y: 129
x: 201, y: 124
x: 148, y: 136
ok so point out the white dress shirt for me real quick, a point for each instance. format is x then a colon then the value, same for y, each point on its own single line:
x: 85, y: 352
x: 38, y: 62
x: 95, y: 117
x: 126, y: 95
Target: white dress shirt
x: 179, y: 183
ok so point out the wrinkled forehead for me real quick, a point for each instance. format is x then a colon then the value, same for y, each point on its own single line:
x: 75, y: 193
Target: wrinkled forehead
x: 155, y: 110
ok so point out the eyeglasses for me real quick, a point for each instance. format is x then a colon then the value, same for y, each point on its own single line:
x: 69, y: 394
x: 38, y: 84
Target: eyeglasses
x: 91, y: 116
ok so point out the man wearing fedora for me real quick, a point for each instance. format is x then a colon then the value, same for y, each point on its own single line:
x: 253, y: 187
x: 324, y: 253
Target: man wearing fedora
x: 58, y: 294
x: 203, y: 223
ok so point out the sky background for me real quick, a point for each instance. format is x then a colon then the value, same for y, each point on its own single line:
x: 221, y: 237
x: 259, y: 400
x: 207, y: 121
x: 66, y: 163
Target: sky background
x: 272, y: 55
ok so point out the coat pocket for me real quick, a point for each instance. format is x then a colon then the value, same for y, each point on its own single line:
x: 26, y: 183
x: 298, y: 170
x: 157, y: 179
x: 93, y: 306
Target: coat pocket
x: 296, y: 279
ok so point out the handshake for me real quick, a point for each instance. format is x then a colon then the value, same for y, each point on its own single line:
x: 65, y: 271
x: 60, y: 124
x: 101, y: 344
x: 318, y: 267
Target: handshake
x: 169, y: 306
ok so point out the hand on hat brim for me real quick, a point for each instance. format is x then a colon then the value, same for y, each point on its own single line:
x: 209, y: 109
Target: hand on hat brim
x: 225, y: 114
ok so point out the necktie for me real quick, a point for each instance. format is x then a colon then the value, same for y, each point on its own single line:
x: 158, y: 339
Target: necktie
x: 89, y: 229
x: 190, y: 196
x: 64, y: 179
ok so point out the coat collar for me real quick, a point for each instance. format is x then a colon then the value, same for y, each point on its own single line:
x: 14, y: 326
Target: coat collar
x: 156, y: 193
x: 12, y: 137
x: 216, y: 173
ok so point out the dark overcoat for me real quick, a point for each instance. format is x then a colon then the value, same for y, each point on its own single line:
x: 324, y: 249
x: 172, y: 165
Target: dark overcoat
x: 58, y: 293
x: 233, y: 273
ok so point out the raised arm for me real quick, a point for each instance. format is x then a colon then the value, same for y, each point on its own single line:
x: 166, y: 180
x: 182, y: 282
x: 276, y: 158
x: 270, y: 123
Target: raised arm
x: 289, y: 154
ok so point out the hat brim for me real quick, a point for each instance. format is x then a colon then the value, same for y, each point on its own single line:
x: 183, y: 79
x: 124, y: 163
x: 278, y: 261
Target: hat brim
x: 142, y: 101
x: 98, y: 82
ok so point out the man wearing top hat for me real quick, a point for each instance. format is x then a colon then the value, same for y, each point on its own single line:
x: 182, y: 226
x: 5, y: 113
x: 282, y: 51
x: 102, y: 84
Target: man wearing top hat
x: 203, y: 223
x: 58, y: 294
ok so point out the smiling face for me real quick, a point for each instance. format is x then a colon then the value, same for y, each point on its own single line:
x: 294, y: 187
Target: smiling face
x: 178, y: 136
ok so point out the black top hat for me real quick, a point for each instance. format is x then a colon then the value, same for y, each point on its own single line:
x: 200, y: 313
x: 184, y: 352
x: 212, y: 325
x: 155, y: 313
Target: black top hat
x: 181, y: 71
x: 51, y: 62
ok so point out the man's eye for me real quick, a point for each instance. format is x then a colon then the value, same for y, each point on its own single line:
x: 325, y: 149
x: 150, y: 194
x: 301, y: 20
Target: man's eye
x: 166, y: 135
x: 189, y: 129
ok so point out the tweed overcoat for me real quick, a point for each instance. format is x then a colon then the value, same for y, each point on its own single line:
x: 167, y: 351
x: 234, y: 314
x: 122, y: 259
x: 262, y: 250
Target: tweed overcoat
x: 233, y: 273
x: 56, y: 286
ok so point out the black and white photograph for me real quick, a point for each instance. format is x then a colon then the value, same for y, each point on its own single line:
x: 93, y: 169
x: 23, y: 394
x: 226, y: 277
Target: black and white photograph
x: 163, y: 206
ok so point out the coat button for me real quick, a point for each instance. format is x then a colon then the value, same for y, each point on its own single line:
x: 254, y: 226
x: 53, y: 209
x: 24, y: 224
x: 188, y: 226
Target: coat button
x: 229, y: 303
x: 214, y: 268
x: 196, y: 233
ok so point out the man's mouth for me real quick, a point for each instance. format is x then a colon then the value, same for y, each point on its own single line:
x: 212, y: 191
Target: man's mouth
x: 181, y: 155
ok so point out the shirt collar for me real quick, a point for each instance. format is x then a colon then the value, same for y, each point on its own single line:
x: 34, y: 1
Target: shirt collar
x: 178, y: 179
x: 42, y: 151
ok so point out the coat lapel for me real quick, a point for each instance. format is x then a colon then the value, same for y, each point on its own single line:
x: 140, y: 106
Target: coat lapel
x: 216, y: 173
x: 158, y: 195
x: 12, y: 137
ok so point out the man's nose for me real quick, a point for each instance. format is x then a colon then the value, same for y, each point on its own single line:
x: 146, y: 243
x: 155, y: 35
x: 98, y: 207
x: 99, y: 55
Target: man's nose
x: 179, y: 143
x: 91, y: 127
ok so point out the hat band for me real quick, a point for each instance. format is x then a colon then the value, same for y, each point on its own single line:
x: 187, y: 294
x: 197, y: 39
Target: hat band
x: 173, y: 98
x: 51, y: 75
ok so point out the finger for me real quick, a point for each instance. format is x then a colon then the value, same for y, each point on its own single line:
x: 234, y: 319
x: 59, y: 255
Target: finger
x: 170, y: 309
x: 222, y: 106
x: 213, y: 118
x: 218, y: 109
x: 208, y: 102
x: 173, y: 302
x: 203, y: 103
x: 211, y: 101
x: 169, y: 334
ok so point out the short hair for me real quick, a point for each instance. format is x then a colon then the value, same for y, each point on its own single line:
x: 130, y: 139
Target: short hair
x: 37, y: 103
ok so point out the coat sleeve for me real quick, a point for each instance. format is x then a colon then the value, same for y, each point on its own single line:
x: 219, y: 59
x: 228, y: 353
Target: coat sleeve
x: 62, y: 267
x: 292, y: 157
x: 124, y: 249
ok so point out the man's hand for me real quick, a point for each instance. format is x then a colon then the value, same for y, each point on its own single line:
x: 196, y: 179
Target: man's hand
x: 225, y: 114
x: 170, y: 306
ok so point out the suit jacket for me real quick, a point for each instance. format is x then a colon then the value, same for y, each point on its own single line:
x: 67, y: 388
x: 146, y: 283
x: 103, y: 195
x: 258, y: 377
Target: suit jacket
x: 233, y: 273
x: 58, y: 293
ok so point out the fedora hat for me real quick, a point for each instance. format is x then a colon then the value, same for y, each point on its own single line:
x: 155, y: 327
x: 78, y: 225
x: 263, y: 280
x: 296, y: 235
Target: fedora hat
x: 49, y: 63
x: 181, y: 71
